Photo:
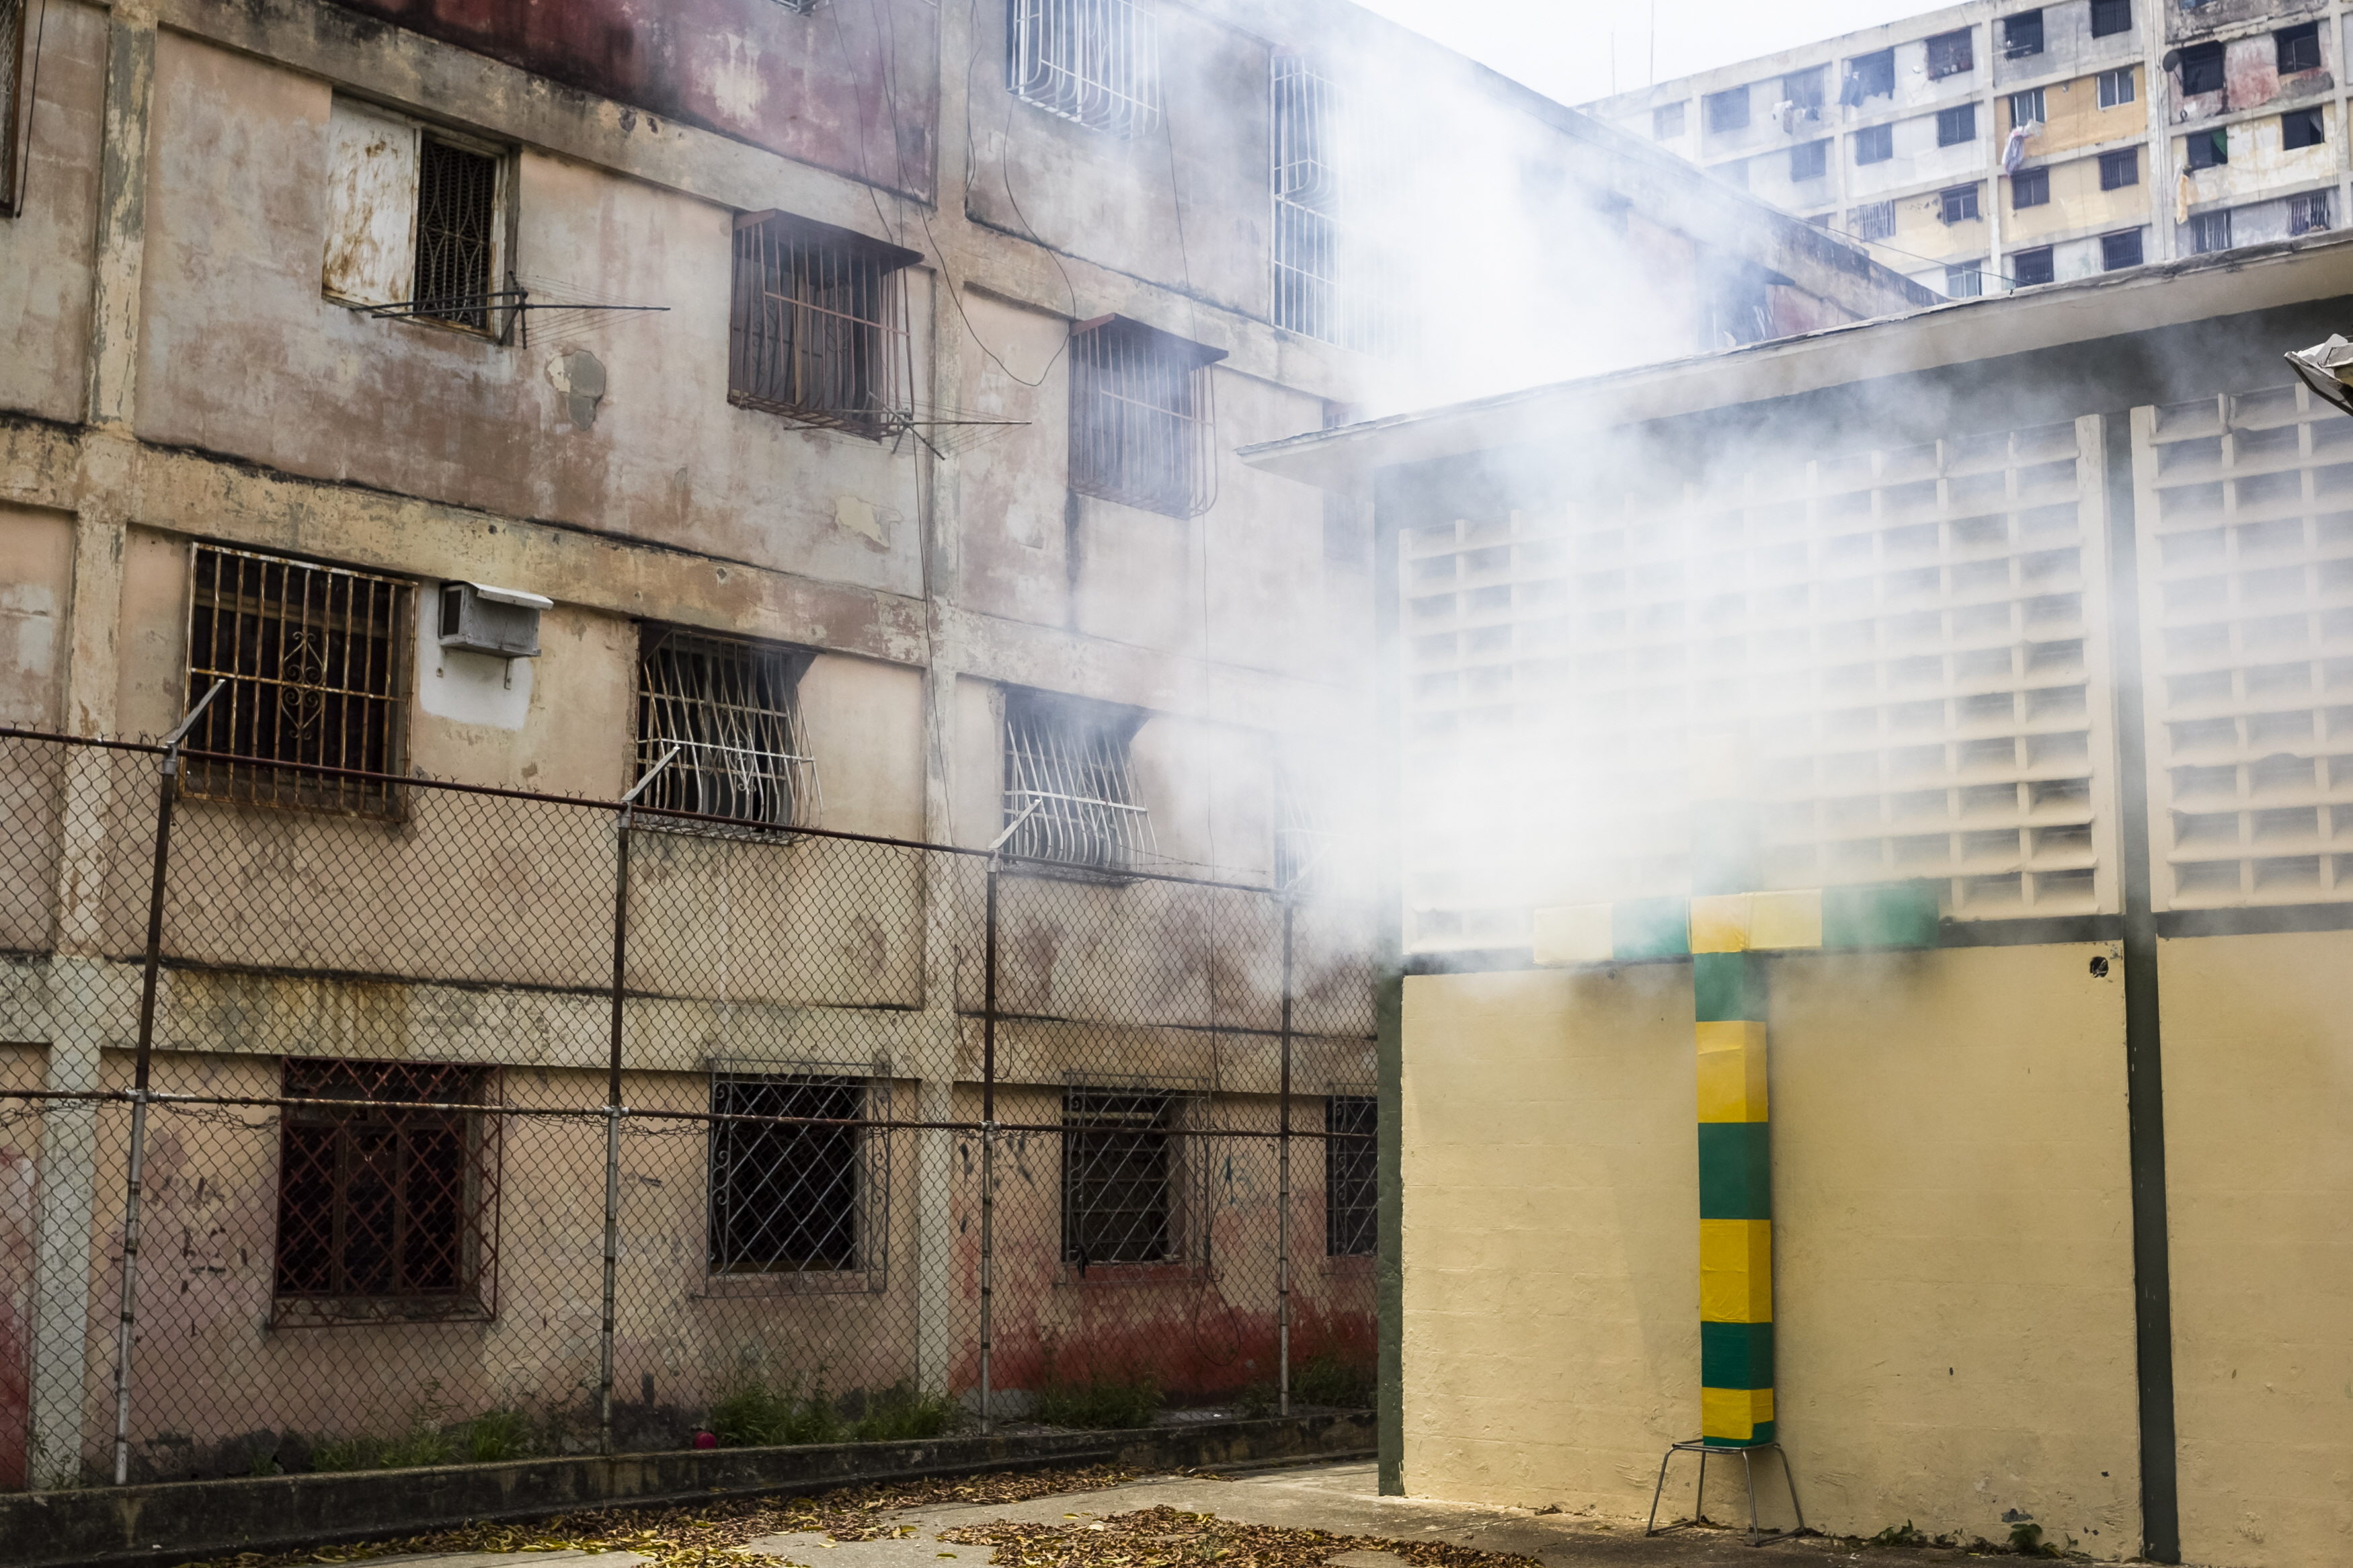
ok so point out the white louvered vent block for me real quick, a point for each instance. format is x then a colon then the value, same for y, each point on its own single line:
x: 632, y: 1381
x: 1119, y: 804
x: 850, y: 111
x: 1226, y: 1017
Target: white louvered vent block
x: 1908, y: 642
x: 2245, y: 513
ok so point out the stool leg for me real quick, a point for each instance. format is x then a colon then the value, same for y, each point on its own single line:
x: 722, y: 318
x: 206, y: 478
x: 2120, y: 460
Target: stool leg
x: 1790, y: 1477
x: 1699, y: 1498
x: 1748, y: 1473
x: 1652, y: 1529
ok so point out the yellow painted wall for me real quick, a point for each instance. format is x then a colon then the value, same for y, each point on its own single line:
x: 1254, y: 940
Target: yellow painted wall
x: 2074, y: 118
x: 1954, y: 1278
x: 1920, y: 227
x: 2259, y: 1172
x: 2076, y: 204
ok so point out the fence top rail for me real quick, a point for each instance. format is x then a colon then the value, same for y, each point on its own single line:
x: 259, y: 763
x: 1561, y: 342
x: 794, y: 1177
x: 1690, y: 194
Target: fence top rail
x: 168, y: 1100
x: 590, y: 803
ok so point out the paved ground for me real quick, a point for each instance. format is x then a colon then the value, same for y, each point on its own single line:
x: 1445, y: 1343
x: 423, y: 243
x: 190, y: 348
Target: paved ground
x: 1339, y: 1498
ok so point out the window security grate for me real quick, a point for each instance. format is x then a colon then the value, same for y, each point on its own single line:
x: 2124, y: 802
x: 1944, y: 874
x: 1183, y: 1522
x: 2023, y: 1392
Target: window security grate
x: 2245, y: 517
x: 1351, y: 1176
x: 315, y: 659
x: 817, y: 330
x: 1141, y: 424
x: 1068, y: 796
x: 1123, y: 1178
x: 2307, y: 213
x: 457, y: 212
x: 1873, y: 220
x: 1093, y: 61
x: 2209, y: 232
x: 730, y: 707
x: 1305, y: 835
x: 798, y: 1198
x: 385, y: 1212
x: 1330, y: 281
x: 12, y: 75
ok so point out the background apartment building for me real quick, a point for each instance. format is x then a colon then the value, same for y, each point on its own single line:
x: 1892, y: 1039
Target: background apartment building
x: 815, y: 423
x: 2003, y: 145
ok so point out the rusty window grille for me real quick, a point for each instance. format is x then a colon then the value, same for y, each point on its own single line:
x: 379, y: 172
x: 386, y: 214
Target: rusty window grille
x: 730, y: 707
x: 795, y: 1197
x: 819, y: 328
x: 1120, y: 1177
x: 1351, y: 1176
x: 1093, y: 61
x: 384, y: 1210
x: 456, y: 233
x: 12, y: 78
x: 1069, y: 797
x: 1142, y: 430
x: 315, y: 662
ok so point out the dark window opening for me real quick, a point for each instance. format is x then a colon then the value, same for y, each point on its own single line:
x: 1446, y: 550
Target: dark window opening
x: 2021, y: 35
x: 1868, y: 77
x: 1351, y: 1176
x: 1952, y: 54
x: 1958, y: 204
x: 2206, y: 150
x: 2302, y: 128
x: 1874, y: 144
x: 2028, y: 268
x: 817, y: 330
x: 1802, y: 90
x: 1728, y: 110
x: 2120, y: 250
x: 2120, y: 168
x: 730, y: 709
x: 457, y: 212
x: 1141, y: 426
x: 784, y: 1193
x: 1956, y: 125
x: 1810, y: 161
x: 383, y: 1204
x: 2201, y: 69
x: 2298, y: 49
x: 2030, y: 188
x: 314, y: 661
x: 2110, y: 17
x: 1069, y: 797
x: 1119, y: 1178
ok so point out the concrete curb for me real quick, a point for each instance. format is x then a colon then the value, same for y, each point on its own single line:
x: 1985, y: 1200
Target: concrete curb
x: 180, y: 1521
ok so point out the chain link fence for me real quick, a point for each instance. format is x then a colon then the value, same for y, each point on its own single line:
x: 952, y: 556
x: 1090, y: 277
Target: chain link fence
x: 363, y: 1120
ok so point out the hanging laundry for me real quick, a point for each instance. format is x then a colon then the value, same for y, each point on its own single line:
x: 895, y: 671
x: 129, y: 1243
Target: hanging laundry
x: 2013, y: 152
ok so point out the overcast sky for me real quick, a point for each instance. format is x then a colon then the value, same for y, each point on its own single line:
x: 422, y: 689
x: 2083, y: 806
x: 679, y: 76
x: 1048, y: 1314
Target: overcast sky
x: 1565, y: 50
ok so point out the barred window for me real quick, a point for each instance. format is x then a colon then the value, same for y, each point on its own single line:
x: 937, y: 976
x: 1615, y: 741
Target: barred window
x: 385, y: 1210
x: 819, y: 328
x: 1952, y: 54
x: 796, y: 1196
x: 1142, y: 430
x: 1873, y: 220
x: 2028, y: 268
x: 12, y: 75
x: 1331, y: 281
x: 730, y: 708
x: 314, y: 660
x: 416, y: 220
x: 2120, y: 250
x: 457, y: 217
x: 2120, y: 168
x: 2110, y: 17
x: 1119, y: 1178
x: 1093, y: 61
x: 1351, y: 1176
x: 1069, y: 797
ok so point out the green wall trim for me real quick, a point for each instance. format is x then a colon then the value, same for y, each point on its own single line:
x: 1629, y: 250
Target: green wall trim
x: 1736, y: 1170
x: 1736, y: 1355
x: 1727, y: 988
x: 1650, y: 928
x: 1888, y: 914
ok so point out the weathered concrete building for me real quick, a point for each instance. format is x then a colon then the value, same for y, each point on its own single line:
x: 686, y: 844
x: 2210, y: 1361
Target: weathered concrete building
x: 1992, y: 145
x: 813, y: 420
x: 2005, y: 648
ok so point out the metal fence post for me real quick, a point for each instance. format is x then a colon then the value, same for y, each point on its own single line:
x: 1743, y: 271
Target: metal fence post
x: 1283, y: 1184
x: 168, y: 789
x: 613, y: 1103
x: 988, y: 1144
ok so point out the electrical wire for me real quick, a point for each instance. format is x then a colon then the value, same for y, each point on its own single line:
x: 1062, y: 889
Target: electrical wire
x: 32, y: 107
x: 1915, y: 256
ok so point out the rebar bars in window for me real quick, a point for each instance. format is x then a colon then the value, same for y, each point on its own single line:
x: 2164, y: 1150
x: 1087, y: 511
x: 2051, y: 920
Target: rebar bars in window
x: 314, y: 660
x: 1069, y: 797
x: 726, y: 707
x: 1093, y: 61
x: 818, y: 330
x: 456, y: 234
x: 1142, y: 430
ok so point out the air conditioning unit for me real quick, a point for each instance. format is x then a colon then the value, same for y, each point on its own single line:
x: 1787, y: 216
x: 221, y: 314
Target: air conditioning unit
x: 501, y: 621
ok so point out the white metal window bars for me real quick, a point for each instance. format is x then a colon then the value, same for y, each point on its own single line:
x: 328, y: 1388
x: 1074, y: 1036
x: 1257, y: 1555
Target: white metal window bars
x: 1351, y: 1175
x: 1306, y: 837
x: 1070, y: 799
x: 730, y: 708
x: 1329, y: 282
x: 1143, y: 429
x: 801, y: 1201
x: 313, y: 660
x: 1093, y: 61
x: 818, y: 330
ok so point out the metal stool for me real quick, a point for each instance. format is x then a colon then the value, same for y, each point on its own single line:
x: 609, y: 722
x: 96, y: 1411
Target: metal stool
x: 1756, y: 1537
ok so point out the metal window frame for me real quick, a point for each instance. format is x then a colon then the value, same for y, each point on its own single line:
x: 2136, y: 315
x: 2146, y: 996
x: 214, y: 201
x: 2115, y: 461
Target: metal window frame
x: 479, y: 313
x: 2018, y: 265
x: 868, y: 1273
x: 1094, y: 62
x: 818, y: 328
x: 1143, y: 417
x: 2204, y: 228
x: 2124, y: 158
x: 475, y: 1299
x: 1338, y: 1156
x: 1961, y: 41
x: 2017, y: 23
x: 731, y: 744
x: 228, y: 727
x: 1959, y: 204
x: 1873, y: 220
x: 2117, y: 88
x: 2029, y: 98
x: 2108, y: 242
x: 2036, y: 180
x: 1070, y: 789
x: 2109, y: 8
x: 1330, y: 281
x: 1097, y: 1107
x: 1964, y: 115
x: 1878, y: 140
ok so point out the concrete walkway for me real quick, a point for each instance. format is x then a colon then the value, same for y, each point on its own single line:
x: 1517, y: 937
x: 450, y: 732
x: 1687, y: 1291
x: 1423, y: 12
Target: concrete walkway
x: 1337, y: 1498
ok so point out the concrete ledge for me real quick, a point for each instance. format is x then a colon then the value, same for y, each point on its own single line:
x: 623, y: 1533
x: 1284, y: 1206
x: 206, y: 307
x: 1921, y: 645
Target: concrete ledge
x: 180, y: 1521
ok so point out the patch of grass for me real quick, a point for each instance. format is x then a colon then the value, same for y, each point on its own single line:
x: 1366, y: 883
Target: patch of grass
x: 1328, y: 1379
x: 1903, y: 1534
x: 1108, y: 1404
x: 1259, y: 1399
x: 495, y: 1437
x: 752, y: 1416
x: 900, y: 1414
x: 487, y: 1439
